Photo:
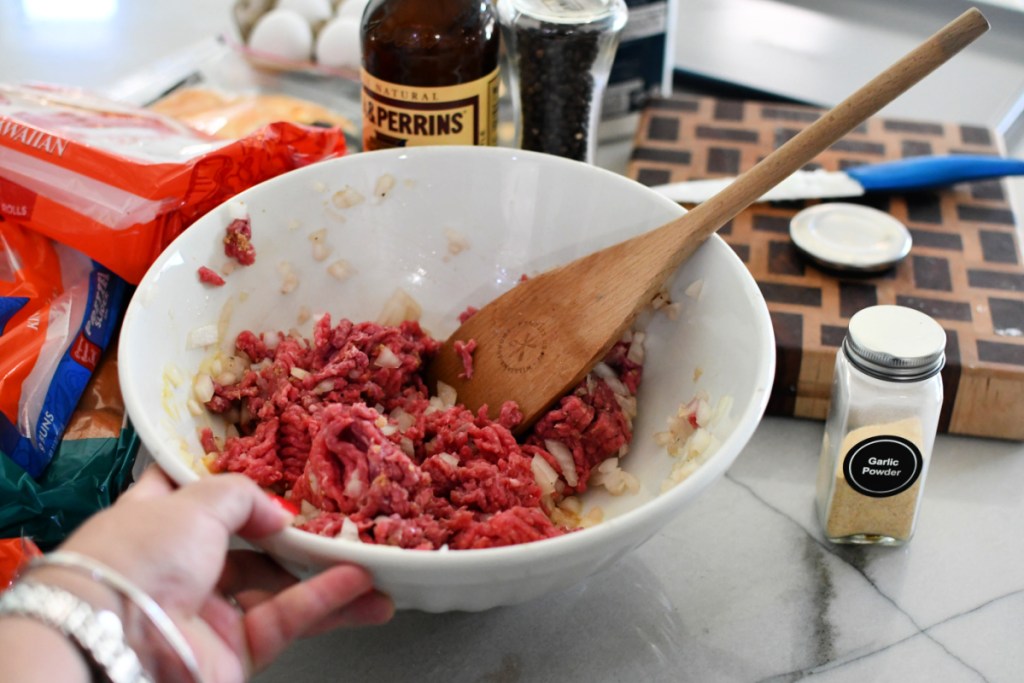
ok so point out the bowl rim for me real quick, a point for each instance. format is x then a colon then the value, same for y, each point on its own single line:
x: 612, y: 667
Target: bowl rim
x: 387, y: 557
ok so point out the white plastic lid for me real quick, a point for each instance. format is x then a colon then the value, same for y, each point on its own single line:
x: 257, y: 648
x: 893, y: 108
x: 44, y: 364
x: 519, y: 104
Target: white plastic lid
x: 850, y: 237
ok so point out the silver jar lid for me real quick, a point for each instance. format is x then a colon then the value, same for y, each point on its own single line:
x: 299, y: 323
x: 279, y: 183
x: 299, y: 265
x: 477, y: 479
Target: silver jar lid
x: 895, y: 343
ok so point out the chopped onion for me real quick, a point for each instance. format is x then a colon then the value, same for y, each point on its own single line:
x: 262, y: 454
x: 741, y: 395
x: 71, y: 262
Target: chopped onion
x: 385, y: 184
x: 346, y: 198
x: 636, y: 349
x: 353, y: 487
x: 449, y: 458
x: 703, y: 413
x: 592, y: 518
x: 299, y: 373
x: 563, y: 456
x: 604, y: 371
x: 173, y: 375
x: 324, y: 386
x: 457, y: 242
x: 386, y: 358
x: 321, y: 252
x: 237, y: 210
x: 290, y: 280
x: 447, y: 394
x: 226, y: 379
x: 202, y: 387
x: 544, y: 473
x: 349, y: 531
x: 402, y: 418
x: 571, y: 504
x: 398, y: 308
x: 201, y: 337
x: 341, y: 270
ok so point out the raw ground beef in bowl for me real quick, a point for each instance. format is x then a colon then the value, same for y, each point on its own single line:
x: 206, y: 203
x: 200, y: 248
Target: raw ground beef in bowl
x: 343, y: 426
x: 423, y: 494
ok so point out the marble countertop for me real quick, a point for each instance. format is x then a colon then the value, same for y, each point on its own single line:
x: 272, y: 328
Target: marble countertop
x: 742, y: 585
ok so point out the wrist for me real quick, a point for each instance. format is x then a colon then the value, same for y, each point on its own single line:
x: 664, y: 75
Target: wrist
x: 46, y: 654
x: 102, y: 598
x: 97, y: 634
x: 146, y: 628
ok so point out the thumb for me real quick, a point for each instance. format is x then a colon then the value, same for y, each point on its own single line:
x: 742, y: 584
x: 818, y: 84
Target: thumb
x: 238, y: 503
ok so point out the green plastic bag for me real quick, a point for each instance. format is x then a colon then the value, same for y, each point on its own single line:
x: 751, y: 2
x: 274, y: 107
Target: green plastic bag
x: 85, y: 476
x: 89, y: 470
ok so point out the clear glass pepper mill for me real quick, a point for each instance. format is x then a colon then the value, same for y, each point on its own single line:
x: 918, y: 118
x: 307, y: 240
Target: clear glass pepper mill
x: 559, y: 56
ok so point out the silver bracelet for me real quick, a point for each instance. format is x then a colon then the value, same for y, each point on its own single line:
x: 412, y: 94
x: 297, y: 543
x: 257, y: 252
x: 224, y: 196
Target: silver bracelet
x: 99, y: 635
x: 148, y: 606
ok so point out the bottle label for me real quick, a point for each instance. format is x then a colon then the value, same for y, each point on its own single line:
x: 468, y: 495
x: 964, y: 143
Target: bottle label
x: 404, y: 116
x: 882, y: 466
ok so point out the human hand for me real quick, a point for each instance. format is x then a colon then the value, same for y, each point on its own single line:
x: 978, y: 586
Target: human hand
x: 173, y: 544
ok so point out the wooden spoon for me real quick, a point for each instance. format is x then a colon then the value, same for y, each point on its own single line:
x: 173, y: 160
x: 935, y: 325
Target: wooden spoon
x: 539, y: 339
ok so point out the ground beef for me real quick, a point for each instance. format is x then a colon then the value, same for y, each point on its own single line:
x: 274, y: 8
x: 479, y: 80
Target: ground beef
x: 210, y: 277
x: 238, y: 242
x: 343, y: 425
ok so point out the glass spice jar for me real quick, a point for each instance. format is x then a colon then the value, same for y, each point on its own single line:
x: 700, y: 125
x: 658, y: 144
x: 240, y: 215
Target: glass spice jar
x: 882, y: 419
x: 559, y: 54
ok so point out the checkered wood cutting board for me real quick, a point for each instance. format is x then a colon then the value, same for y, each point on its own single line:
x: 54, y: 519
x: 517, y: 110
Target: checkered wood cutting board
x: 965, y: 268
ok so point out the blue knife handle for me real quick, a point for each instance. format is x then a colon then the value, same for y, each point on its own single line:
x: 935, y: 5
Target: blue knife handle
x: 933, y: 171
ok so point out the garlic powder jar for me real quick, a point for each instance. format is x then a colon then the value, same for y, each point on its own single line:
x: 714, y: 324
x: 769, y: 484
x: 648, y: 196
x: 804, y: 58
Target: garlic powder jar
x: 883, y: 415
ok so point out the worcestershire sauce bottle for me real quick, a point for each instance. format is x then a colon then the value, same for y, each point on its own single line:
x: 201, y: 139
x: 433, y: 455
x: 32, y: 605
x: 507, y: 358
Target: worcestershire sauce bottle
x: 430, y: 73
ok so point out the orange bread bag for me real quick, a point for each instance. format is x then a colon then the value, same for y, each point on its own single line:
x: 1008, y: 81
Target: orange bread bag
x: 118, y: 183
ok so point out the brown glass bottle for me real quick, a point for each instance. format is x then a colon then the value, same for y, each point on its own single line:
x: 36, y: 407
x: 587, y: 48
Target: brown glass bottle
x: 430, y: 73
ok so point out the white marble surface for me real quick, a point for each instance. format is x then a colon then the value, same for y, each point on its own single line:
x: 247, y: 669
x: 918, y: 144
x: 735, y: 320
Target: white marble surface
x: 741, y: 587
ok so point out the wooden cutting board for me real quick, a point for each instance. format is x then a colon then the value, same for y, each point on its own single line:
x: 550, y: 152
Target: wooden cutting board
x: 965, y: 268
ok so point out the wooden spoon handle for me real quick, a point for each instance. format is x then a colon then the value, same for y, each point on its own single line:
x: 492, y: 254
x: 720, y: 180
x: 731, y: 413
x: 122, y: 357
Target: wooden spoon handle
x: 686, y: 233
x: 539, y: 339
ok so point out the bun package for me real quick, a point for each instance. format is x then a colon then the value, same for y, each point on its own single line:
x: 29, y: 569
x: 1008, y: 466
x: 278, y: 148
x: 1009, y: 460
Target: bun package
x: 117, y: 182
x: 58, y: 313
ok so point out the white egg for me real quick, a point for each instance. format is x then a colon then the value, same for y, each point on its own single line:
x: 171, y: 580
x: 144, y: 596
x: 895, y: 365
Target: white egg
x: 338, y: 43
x: 352, y: 8
x: 313, y: 11
x: 283, y: 33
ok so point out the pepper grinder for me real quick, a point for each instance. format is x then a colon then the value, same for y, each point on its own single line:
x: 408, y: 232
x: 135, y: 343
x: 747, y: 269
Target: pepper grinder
x: 559, y: 54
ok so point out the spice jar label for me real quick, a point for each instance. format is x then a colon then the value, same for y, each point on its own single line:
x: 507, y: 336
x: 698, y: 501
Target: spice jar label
x: 882, y: 466
x: 401, y: 115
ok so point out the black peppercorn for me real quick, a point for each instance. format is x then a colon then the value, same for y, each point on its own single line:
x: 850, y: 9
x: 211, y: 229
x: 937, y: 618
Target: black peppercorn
x: 559, y: 65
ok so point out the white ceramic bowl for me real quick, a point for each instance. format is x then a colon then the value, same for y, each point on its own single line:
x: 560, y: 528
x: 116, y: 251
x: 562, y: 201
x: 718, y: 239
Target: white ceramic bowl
x: 520, y: 213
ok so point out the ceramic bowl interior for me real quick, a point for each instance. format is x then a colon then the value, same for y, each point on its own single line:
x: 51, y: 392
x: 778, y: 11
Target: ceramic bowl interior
x: 452, y: 227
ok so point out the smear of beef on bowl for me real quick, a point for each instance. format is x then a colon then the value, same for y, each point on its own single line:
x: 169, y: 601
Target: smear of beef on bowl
x: 282, y: 335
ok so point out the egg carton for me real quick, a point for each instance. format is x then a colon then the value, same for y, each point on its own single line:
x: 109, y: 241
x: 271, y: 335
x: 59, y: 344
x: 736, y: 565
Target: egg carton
x: 317, y: 36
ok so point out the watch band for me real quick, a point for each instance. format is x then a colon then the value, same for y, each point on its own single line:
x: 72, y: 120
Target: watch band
x: 99, y: 634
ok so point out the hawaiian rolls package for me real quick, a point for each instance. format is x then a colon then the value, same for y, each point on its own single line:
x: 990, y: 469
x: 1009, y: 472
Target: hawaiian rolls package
x: 117, y: 182
x: 59, y: 310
